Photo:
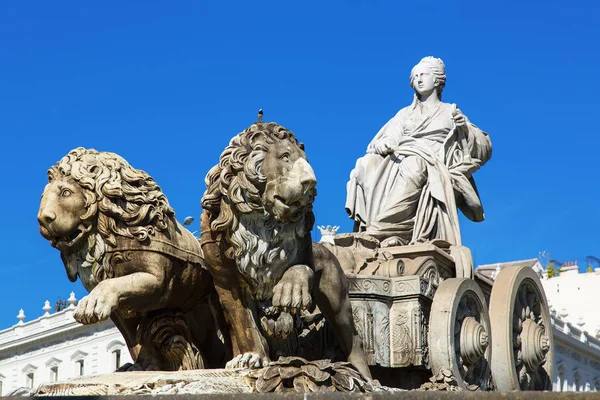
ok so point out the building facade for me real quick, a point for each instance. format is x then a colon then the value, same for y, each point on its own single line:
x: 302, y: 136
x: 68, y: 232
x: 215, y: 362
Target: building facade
x: 55, y: 347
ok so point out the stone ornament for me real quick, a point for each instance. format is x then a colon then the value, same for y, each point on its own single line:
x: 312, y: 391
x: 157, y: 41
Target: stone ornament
x: 295, y: 374
x: 256, y: 222
x: 117, y: 233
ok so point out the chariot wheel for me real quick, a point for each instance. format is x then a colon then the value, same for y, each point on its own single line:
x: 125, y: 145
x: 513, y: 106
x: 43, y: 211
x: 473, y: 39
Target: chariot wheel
x: 459, y: 334
x: 523, y: 345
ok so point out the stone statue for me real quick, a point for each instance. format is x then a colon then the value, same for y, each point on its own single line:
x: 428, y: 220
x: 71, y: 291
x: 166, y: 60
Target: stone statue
x: 418, y: 168
x: 116, y: 231
x: 256, y: 223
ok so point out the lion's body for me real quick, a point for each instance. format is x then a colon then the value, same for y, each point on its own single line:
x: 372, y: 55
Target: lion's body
x: 116, y: 231
x: 256, y: 241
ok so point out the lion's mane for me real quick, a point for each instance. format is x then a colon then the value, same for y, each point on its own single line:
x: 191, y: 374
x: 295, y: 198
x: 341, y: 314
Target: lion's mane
x: 126, y: 201
x: 236, y: 184
x: 233, y: 197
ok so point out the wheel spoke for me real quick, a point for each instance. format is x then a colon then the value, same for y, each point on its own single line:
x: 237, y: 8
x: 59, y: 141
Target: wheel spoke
x: 520, y: 316
x: 459, y: 307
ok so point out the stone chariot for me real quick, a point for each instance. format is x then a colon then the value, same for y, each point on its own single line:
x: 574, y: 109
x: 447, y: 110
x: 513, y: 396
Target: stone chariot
x: 417, y: 301
x: 425, y: 326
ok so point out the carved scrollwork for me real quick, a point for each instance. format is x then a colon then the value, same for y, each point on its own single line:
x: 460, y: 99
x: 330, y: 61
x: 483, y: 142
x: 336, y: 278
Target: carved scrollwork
x: 402, y: 340
x: 169, y: 334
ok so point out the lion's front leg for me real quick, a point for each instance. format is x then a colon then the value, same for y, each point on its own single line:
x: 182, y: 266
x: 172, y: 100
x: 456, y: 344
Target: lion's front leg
x: 293, y: 291
x: 139, y: 290
x: 249, y: 347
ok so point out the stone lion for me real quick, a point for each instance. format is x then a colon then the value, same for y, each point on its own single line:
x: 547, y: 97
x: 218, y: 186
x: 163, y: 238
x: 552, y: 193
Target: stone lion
x: 256, y: 223
x: 116, y: 231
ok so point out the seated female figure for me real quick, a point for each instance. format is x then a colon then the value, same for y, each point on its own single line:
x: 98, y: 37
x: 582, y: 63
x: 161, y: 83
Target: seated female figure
x: 418, y: 168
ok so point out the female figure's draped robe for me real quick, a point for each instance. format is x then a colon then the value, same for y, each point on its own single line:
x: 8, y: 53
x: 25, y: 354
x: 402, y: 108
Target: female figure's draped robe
x: 413, y: 193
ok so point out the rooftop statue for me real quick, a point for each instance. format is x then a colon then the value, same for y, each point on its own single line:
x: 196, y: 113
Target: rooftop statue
x: 418, y: 168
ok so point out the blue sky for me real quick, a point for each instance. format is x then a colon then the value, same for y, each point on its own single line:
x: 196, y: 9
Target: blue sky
x: 167, y: 86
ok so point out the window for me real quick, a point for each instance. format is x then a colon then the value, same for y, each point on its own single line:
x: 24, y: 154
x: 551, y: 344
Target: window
x: 0, y: 388
x: 561, y: 380
x: 116, y: 358
x: 30, y: 380
x: 54, y: 374
x: 80, y: 366
x: 576, y: 381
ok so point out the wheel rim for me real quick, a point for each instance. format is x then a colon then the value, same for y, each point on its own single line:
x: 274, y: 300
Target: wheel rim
x: 523, y: 343
x: 459, y: 333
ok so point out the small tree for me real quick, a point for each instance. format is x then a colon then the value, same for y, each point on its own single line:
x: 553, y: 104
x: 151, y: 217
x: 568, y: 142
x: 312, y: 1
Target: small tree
x: 551, y: 269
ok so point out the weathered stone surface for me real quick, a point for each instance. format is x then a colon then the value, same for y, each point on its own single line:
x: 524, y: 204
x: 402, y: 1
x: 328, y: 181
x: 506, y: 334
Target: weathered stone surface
x: 146, y: 382
x: 116, y: 231
x: 287, y: 375
x: 391, y: 316
x: 256, y: 223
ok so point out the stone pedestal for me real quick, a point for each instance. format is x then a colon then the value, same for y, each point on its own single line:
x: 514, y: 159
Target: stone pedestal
x: 391, y: 315
x: 391, y: 293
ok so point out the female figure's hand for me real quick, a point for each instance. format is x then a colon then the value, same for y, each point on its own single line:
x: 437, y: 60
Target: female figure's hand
x: 459, y: 119
x: 382, y: 147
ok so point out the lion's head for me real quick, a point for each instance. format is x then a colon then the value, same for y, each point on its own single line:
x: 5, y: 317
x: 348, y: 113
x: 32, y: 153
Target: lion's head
x: 260, y: 196
x: 92, y: 197
x: 262, y: 171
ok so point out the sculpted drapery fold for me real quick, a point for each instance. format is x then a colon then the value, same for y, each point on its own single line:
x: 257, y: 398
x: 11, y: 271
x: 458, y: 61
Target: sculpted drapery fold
x: 414, y: 191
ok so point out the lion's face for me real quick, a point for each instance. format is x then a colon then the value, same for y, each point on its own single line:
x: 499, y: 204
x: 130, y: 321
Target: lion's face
x: 290, y: 181
x: 60, y: 215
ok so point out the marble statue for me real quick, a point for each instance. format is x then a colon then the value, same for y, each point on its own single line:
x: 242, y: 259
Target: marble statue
x: 116, y: 231
x: 256, y: 223
x: 418, y: 168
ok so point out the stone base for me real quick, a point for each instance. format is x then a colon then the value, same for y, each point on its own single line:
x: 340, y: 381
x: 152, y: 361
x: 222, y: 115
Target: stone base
x: 286, y: 375
x: 141, y: 382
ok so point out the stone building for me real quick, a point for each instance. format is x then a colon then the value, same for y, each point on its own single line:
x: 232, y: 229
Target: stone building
x: 575, y: 322
x: 55, y: 347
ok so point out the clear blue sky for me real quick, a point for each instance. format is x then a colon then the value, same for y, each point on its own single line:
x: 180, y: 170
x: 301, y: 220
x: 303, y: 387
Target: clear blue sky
x: 167, y: 84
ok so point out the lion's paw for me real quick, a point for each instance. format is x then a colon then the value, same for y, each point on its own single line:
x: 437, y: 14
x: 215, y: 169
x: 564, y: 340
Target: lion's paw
x: 248, y: 360
x: 96, y: 306
x: 292, y: 292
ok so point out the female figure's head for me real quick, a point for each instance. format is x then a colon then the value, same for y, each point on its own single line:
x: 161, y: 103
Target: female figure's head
x: 428, y: 76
